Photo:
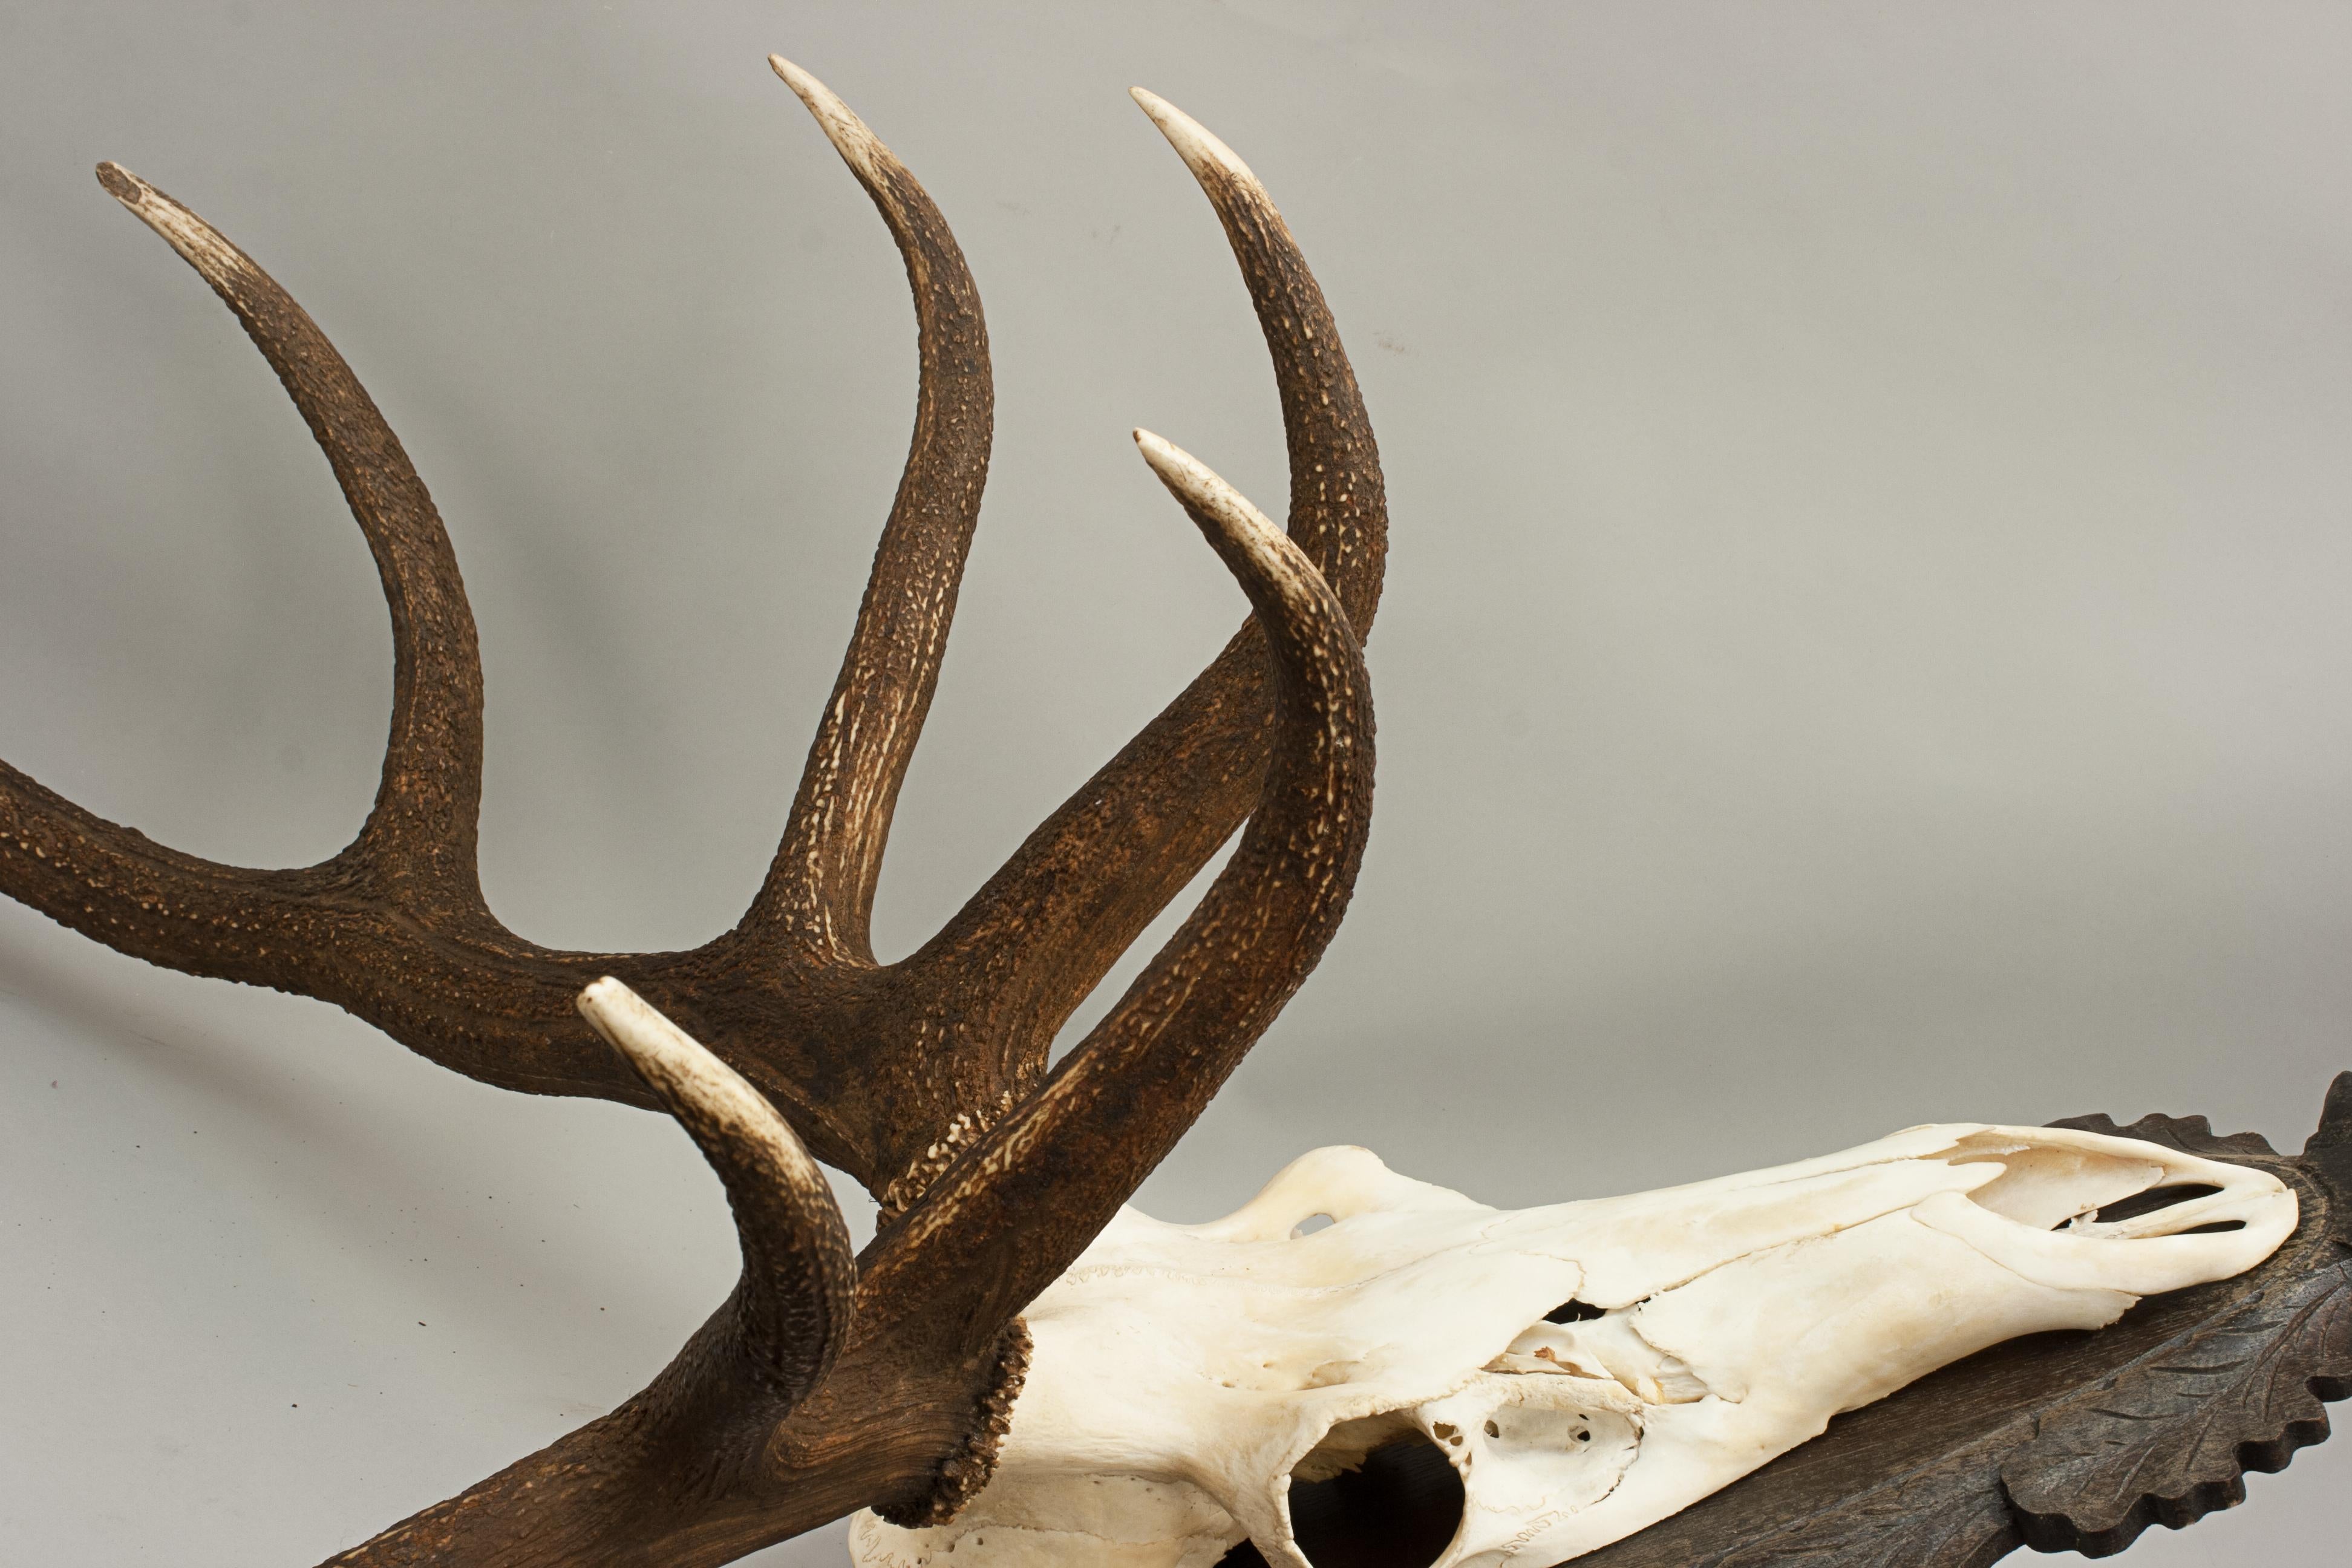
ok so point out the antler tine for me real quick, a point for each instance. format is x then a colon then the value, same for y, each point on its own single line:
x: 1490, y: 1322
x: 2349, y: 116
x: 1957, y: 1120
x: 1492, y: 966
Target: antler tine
x: 1049, y: 924
x: 624, y: 1487
x: 416, y: 849
x: 1009, y: 1215
x: 819, y: 893
x: 793, y: 1309
x: 1338, y: 504
x: 392, y: 927
x: 428, y: 803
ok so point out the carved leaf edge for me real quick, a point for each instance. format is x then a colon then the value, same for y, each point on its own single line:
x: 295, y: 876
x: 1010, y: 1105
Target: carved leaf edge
x: 2287, y: 1414
x: 2200, y: 1441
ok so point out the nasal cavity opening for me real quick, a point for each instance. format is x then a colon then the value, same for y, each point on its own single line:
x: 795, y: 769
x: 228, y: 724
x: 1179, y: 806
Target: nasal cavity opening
x: 1309, y: 1225
x: 1575, y: 1311
x: 1399, y: 1508
x: 2156, y: 1199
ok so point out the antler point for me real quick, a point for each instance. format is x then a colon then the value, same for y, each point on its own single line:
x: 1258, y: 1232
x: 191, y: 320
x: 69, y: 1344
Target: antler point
x: 850, y: 137
x: 1194, y: 142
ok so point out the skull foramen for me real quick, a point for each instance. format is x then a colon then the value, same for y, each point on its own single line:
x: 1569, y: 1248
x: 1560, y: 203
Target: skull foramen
x: 1184, y: 1374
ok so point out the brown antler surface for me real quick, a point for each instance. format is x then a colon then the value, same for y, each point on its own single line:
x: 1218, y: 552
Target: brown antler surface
x: 825, y: 1383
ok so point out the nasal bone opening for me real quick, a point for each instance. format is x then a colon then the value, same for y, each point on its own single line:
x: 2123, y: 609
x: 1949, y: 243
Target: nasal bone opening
x: 2060, y: 1186
x: 2155, y: 1200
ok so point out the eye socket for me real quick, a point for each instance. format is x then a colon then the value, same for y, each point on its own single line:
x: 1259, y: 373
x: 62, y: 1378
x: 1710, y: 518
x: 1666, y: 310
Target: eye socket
x: 1400, y: 1509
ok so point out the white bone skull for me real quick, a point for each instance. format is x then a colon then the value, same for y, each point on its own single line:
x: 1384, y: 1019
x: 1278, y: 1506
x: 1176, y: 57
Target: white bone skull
x: 1183, y: 1374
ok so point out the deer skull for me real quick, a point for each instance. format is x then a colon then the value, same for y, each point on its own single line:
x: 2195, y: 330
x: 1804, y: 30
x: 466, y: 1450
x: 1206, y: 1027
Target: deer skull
x: 1184, y: 1374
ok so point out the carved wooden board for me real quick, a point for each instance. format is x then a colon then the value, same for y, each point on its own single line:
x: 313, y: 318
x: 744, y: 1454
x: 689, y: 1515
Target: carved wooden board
x: 2061, y: 1442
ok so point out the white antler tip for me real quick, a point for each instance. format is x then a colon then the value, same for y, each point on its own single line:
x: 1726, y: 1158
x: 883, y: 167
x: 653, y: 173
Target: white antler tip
x: 1178, y: 468
x: 637, y: 1028
x: 1201, y: 150
x: 858, y: 145
x: 1215, y: 504
x: 182, y: 230
x: 621, y: 1016
x: 1164, y: 455
x: 681, y: 1069
x: 602, y: 992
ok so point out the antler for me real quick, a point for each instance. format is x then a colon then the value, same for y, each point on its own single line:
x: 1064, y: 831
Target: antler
x: 821, y: 1385
x: 884, y: 1071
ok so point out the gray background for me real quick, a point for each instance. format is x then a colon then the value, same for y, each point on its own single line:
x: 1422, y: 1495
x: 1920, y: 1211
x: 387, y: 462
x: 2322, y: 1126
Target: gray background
x: 1864, y: 641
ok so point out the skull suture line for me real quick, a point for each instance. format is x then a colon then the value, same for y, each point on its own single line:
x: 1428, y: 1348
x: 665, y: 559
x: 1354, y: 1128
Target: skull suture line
x: 1183, y: 1374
